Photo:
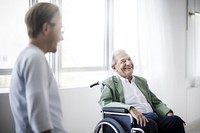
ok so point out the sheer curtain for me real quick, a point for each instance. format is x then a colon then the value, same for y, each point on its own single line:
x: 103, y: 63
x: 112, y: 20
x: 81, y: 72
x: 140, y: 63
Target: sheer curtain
x: 144, y: 29
x: 162, y: 43
x: 139, y: 29
x: 152, y: 39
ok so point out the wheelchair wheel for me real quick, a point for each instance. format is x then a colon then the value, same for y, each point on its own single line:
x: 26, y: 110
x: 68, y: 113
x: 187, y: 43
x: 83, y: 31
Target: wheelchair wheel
x: 108, y: 125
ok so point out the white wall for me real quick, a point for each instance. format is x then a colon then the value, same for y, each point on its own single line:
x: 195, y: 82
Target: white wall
x: 6, y: 118
x: 193, y: 107
x: 81, y: 109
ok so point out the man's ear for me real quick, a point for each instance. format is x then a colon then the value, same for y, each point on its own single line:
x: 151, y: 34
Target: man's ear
x: 113, y: 67
x: 45, y: 28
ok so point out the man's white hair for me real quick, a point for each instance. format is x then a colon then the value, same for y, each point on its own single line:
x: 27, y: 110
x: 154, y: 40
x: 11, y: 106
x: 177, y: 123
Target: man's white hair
x: 115, y: 53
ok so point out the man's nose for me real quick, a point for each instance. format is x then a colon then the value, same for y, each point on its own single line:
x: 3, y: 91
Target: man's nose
x: 61, y: 37
x: 128, y: 62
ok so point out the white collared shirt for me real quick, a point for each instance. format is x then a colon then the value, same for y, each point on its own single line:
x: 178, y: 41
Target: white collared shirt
x: 133, y: 96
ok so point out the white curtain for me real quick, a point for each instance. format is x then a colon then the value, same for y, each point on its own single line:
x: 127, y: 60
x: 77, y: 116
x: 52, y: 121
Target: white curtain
x: 139, y: 28
x: 146, y: 30
x: 154, y: 48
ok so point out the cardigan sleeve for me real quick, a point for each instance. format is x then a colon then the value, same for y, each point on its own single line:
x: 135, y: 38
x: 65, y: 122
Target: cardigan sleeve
x: 109, y: 97
x: 157, y: 105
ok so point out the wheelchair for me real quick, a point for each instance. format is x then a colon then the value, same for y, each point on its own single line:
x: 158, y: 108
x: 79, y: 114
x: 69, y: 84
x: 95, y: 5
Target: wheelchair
x: 116, y: 120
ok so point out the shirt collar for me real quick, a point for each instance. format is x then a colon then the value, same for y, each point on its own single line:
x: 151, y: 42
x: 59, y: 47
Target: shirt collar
x: 36, y: 47
x: 125, y: 80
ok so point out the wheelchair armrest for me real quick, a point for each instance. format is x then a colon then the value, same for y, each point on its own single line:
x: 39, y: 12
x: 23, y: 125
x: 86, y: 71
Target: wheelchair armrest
x: 115, y: 109
x: 123, y: 117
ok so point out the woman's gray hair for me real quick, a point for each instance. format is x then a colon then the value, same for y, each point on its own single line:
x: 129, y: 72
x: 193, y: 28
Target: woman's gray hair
x: 115, y: 53
x: 39, y: 14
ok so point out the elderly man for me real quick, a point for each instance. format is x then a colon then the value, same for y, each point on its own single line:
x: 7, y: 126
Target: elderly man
x: 34, y: 97
x: 132, y: 93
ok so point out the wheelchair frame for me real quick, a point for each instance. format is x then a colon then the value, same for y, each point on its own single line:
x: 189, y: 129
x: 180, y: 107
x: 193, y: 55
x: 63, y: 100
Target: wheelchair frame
x: 117, y: 119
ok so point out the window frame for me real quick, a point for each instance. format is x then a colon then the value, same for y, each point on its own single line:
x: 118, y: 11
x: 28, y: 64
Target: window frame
x: 107, y: 45
x: 108, y: 48
x: 54, y: 59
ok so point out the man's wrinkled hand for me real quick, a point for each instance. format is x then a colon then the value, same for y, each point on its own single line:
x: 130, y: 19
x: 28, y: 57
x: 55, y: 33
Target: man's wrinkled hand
x: 140, y: 118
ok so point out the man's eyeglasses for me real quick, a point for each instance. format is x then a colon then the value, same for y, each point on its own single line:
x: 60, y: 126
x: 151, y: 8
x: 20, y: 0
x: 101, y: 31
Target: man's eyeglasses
x: 62, y: 30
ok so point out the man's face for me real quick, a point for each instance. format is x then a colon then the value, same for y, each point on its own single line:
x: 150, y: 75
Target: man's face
x: 55, y: 35
x: 124, y: 65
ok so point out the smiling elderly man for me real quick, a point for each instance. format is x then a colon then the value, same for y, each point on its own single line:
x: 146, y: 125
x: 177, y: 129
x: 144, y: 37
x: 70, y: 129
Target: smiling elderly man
x: 131, y: 92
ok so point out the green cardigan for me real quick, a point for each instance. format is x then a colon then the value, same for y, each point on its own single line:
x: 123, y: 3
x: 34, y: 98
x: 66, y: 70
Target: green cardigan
x: 113, y: 95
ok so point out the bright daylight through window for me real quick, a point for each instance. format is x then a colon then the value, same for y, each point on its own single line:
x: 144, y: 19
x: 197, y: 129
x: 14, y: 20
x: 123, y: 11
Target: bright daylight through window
x: 13, y: 36
x: 82, y: 55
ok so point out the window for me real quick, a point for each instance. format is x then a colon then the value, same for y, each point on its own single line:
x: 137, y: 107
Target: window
x: 82, y: 56
x: 196, y: 71
x: 13, y: 36
x: 193, y: 44
x: 197, y: 45
x: 93, y: 28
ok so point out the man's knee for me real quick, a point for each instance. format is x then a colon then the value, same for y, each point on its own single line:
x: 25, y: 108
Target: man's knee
x: 171, y: 124
x: 177, y: 121
x: 151, y: 127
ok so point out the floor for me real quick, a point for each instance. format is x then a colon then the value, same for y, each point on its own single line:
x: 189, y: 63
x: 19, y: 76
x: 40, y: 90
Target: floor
x: 193, y: 128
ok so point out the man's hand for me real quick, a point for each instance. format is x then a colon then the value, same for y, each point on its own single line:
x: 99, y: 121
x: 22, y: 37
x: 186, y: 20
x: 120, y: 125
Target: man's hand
x: 140, y: 118
x: 170, y: 114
